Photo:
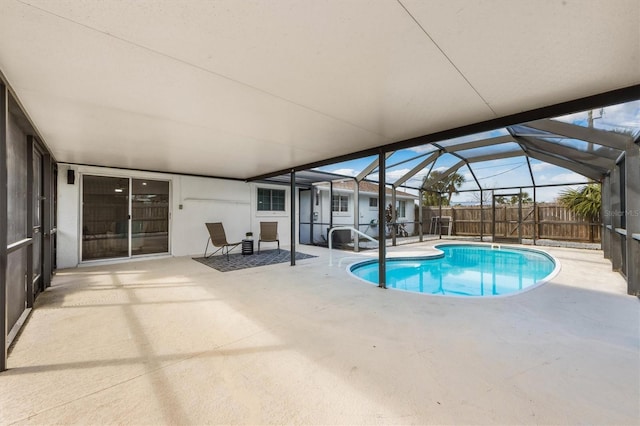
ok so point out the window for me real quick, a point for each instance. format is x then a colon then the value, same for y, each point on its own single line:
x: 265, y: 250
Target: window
x: 373, y: 203
x: 402, y: 209
x: 340, y: 203
x: 271, y: 200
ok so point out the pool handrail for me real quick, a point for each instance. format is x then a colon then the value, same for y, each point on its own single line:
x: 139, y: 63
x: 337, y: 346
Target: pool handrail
x: 351, y: 228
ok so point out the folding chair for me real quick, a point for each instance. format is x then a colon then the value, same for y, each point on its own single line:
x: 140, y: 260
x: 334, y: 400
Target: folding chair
x: 269, y: 233
x: 218, y: 238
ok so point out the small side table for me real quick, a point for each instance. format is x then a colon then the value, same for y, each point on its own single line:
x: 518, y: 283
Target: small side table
x: 247, y: 247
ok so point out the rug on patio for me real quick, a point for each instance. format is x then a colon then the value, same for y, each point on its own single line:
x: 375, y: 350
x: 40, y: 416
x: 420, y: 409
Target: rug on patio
x: 239, y: 261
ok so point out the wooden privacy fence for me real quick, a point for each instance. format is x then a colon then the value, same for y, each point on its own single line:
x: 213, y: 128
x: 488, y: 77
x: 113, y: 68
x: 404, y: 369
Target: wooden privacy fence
x: 539, y: 221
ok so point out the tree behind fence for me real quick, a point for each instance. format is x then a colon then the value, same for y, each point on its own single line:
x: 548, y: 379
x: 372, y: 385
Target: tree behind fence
x: 549, y: 221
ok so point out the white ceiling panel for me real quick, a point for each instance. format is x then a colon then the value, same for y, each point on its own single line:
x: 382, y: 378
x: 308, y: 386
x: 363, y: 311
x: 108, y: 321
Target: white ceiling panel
x: 521, y: 55
x: 346, y: 59
x: 241, y: 88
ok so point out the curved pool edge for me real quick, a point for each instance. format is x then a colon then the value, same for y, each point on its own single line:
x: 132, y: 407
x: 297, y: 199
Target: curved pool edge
x: 439, y: 253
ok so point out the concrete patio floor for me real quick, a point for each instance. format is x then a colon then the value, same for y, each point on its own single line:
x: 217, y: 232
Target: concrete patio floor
x: 171, y: 341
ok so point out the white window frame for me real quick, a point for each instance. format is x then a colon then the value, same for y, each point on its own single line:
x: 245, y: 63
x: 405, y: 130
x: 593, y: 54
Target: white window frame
x: 401, y: 210
x: 341, y: 203
x: 270, y: 209
x: 373, y: 207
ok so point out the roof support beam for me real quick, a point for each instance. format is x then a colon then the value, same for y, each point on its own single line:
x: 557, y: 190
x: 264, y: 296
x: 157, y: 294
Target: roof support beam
x: 533, y: 180
x: 569, y: 153
x: 497, y: 156
x: 451, y: 170
x: 574, y: 167
x: 479, y: 143
x: 371, y: 167
x: 478, y: 159
x: 430, y: 159
x: 587, y: 134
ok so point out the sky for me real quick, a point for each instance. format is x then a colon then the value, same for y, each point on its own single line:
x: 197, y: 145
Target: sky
x: 507, y: 172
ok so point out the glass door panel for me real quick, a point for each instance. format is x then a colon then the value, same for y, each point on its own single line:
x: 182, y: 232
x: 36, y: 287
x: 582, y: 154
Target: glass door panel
x: 105, y: 217
x: 149, y: 216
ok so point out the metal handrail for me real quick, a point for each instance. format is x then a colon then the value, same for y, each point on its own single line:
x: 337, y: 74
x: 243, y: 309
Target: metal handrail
x: 351, y: 228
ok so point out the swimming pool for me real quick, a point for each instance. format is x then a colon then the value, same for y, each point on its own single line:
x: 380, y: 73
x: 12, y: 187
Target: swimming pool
x: 464, y: 270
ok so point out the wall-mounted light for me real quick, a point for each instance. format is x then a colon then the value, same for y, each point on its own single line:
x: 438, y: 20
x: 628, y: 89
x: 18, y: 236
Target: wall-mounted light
x: 119, y: 190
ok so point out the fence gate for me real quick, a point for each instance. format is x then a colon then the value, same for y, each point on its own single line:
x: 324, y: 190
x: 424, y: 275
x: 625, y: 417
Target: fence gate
x: 507, y: 222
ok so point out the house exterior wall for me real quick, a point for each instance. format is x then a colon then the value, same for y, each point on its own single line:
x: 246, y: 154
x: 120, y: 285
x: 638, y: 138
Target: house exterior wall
x: 194, y: 201
x: 367, y: 213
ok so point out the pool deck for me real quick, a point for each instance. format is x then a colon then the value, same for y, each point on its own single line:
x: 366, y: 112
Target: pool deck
x: 171, y: 341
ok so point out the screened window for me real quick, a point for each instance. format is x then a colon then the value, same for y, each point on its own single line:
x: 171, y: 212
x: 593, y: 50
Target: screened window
x: 373, y: 203
x: 271, y: 200
x: 340, y: 203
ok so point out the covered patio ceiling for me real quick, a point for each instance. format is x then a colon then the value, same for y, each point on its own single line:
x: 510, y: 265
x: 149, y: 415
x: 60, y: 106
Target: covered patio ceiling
x: 243, y: 89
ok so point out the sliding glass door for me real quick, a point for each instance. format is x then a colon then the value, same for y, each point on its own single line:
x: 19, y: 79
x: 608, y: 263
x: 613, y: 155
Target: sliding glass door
x: 105, y: 217
x: 123, y: 217
x: 150, y: 216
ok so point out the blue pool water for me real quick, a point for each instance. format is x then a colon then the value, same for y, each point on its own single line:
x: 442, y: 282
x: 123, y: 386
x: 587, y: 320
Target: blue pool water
x: 464, y: 270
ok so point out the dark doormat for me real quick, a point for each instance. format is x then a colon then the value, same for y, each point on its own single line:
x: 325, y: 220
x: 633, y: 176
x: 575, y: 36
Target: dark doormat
x: 239, y: 261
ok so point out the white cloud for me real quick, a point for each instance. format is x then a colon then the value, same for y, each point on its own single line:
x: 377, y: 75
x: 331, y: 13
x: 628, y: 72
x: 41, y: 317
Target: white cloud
x: 624, y: 115
x: 346, y: 172
x: 538, y: 167
x: 422, y: 148
x: 396, y: 174
x: 575, y: 117
x: 568, y: 177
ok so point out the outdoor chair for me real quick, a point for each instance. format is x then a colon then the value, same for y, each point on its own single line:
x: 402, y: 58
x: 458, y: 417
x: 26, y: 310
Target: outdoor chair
x: 269, y: 233
x: 218, y: 238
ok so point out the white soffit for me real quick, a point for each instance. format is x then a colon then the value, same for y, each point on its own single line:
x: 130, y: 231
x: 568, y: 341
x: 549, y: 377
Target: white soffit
x: 237, y: 88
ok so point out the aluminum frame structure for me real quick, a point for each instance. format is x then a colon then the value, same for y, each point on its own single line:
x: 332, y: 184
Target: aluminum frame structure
x: 27, y: 246
x: 608, y: 157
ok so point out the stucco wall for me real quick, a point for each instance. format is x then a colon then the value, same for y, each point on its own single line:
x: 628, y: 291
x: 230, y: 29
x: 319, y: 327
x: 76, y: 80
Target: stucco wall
x: 194, y: 201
